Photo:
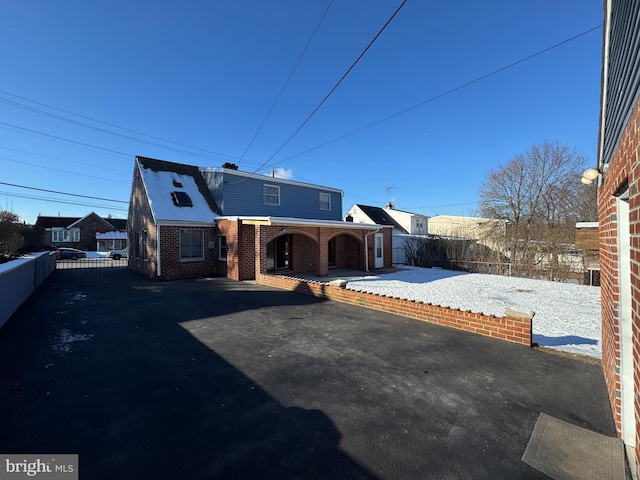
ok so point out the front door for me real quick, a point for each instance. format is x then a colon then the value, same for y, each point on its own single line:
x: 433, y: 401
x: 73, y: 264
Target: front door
x: 378, y: 251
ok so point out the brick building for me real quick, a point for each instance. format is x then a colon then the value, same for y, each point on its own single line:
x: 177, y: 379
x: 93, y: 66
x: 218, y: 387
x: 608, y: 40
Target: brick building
x: 83, y: 233
x: 618, y: 175
x: 186, y: 222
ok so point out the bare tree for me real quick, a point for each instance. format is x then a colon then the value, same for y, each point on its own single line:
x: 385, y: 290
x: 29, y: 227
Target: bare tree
x: 539, y: 194
x: 10, y: 236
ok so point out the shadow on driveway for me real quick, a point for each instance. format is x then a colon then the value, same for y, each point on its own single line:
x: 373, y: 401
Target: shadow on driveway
x: 222, y: 379
x: 111, y: 374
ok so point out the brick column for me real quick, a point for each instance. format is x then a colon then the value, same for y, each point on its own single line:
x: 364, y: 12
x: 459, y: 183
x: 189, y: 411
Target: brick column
x: 323, y: 252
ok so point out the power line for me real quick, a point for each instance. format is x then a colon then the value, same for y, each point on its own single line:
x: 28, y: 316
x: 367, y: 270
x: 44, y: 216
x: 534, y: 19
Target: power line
x: 62, y: 159
x: 334, y: 87
x: 59, y: 117
x: 287, y: 80
x: 444, y: 94
x: 65, y: 144
x: 62, y: 171
x: 66, y: 139
x: 52, y: 200
x: 62, y: 193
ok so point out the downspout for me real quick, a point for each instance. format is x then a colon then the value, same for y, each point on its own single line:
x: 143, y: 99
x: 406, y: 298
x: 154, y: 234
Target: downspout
x: 366, y: 249
x: 159, y: 268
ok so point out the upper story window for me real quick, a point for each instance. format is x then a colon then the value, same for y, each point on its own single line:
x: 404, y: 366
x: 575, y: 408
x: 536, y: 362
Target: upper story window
x: 271, y: 194
x: 59, y: 236
x: 325, y: 201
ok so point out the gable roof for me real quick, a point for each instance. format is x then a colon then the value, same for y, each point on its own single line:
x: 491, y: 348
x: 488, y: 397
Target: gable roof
x: 160, y: 178
x: 380, y: 217
x: 55, y: 222
x: 118, y: 223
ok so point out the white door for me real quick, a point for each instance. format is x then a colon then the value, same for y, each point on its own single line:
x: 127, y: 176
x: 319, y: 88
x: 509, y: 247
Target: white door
x: 627, y: 392
x: 378, y: 252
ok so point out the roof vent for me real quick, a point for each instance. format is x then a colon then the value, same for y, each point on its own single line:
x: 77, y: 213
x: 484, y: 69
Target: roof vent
x: 230, y: 166
x: 177, y: 184
x: 181, y: 199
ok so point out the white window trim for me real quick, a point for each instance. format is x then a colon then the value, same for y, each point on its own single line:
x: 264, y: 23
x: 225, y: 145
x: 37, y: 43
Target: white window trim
x: 264, y: 195
x: 192, y: 259
x: 328, y: 196
x: 63, y: 235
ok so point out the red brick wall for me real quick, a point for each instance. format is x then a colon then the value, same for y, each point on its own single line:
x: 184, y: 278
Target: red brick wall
x: 348, y: 253
x: 513, y: 329
x: 624, y: 166
x: 139, y: 220
x: 172, y: 267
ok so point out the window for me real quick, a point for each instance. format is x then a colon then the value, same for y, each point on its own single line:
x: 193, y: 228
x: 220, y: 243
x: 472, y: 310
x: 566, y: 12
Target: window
x: 325, y: 201
x: 191, y: 244
x: 222, y: 248
x: 271, y: 194
x: 136, y: 251
x: 181, y: 199
x: 59, y: 236
x: 144, y: 245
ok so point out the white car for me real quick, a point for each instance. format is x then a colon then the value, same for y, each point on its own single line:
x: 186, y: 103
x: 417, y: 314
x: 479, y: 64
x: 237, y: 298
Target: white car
x: 118, y: 254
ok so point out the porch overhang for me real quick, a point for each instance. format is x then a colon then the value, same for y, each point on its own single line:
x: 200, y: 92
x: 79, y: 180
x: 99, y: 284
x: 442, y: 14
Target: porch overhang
x: 307, y: 222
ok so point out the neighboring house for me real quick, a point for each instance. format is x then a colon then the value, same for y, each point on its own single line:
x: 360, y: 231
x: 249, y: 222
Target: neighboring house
x: 405, y: 225
x: 401, y: 221
x: 185, y: 222
x: 618, y: 206
x: 84, y: 233
x: 486, y: 231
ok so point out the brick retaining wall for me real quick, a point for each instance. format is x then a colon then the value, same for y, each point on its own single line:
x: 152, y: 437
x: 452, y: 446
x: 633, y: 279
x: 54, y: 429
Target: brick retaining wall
x: 513, y: 327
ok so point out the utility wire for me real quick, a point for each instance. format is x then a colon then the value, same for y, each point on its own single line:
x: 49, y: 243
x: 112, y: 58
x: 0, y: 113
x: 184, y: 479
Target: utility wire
x: 52, y: 200
x: 62, y: 171
x: 333, y: 89
x: 19, y: 105
x: 287, y: 80
x: 62, y: 193
x: 65, y: 139
x: 444, y: 94
x: 62, y: 159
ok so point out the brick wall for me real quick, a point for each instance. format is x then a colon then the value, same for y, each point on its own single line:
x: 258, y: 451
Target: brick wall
x: 624, y: 169
x: 139, y: 220
x: 172, y: 267
x: 512, y: 328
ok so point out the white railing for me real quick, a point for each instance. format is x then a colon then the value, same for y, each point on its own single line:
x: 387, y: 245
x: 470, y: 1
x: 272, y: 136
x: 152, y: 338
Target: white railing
x: 19, y: 278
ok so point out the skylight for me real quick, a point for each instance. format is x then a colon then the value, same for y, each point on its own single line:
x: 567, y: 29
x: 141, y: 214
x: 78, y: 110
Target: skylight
x: 181, y: 199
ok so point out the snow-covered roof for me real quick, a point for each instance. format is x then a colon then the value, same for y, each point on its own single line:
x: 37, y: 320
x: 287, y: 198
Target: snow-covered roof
x: 587, y: 225
x: 161, y: 178
x: 306, y: 222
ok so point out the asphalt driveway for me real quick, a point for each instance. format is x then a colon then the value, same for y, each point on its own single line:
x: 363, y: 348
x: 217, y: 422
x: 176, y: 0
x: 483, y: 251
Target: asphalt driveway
x: 222, y: 379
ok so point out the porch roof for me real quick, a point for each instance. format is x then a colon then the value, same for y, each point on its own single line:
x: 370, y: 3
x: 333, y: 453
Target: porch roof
x: 307, y: 222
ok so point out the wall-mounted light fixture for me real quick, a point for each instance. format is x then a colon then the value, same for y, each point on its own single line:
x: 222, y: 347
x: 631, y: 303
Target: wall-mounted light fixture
x: 590, y: 174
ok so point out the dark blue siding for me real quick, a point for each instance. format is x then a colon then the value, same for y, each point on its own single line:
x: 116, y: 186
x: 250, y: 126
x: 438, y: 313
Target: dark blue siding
x: 243, y: 196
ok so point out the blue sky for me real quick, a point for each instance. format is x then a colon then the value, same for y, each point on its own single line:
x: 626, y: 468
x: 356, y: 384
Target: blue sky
x: 204, y: 74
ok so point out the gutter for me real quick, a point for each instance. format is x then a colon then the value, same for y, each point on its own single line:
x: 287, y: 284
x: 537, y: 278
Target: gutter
x: 366, y: 247
x: 159, y: 267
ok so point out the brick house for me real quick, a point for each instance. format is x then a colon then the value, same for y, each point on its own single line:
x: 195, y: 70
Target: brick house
x: 83, y: 233
x: 618, y: 176
x: 186, y: 222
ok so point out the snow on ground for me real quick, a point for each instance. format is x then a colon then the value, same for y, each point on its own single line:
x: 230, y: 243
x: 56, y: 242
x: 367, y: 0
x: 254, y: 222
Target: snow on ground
x: 567, y: 316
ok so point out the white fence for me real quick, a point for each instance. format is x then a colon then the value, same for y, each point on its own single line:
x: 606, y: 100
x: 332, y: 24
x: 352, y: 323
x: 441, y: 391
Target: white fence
x: 19, y: 278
